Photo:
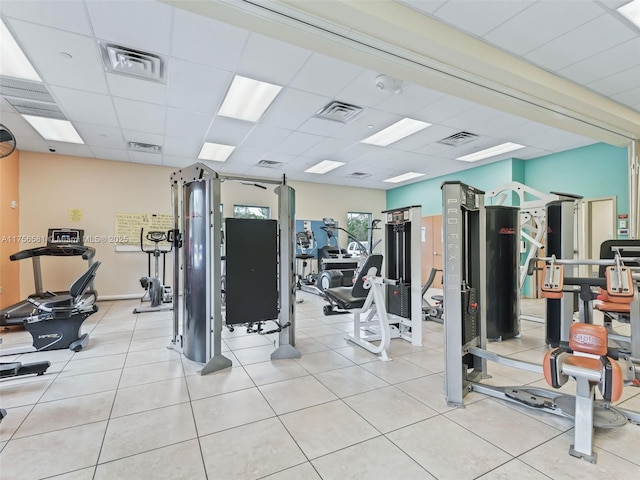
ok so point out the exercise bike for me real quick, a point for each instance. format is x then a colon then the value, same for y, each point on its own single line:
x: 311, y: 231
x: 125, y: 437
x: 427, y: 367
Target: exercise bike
x: 156, y: 292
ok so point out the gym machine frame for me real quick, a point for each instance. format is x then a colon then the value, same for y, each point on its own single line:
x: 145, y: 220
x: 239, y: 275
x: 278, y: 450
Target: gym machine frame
x: 465, y: 296
x: 198, y: 229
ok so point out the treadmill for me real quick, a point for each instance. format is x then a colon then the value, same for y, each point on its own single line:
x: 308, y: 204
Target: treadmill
x: 61, y: 242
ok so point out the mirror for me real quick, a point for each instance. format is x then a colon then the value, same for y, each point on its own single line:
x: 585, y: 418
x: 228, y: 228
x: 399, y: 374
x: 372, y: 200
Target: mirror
x: 7, y: 142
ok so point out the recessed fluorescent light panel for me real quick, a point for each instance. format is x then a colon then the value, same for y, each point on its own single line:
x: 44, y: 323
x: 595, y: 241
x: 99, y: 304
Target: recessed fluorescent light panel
x: 404, y: 177
x: 13, y: 61
x: 54, y: 129
x: 491, y: 152
x: 248, y: 99
x: 324, y: 167
x: 215, y: 151
x: 395, y: 132
x: 632, y: 11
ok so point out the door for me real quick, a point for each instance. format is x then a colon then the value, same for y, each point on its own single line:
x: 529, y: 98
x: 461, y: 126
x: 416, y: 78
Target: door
x: 431, y: 236
x: 601, y: 223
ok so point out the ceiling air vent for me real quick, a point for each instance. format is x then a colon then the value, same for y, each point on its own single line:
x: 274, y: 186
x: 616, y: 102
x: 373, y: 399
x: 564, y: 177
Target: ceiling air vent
x: 269, y: 163
x: 38, y: 109
x: 12, y: 87
x: 360, y: 175
x: 458, y: 139
x: 145, y: 147
x: 338, y: 112
x: 133, y: 63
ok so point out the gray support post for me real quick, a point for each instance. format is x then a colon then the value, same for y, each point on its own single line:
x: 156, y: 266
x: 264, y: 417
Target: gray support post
x: 416, y: 276
x: 286, y: 221
x: 176, y: 189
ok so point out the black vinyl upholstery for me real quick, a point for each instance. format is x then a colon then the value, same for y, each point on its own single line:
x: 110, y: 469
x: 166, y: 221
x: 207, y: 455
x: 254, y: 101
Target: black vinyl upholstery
x: 349, y: 298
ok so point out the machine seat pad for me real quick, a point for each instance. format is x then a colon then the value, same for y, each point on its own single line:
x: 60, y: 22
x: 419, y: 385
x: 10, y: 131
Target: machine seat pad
x: 612, y: 306
x: 584, y: 362
x: 343, y: 297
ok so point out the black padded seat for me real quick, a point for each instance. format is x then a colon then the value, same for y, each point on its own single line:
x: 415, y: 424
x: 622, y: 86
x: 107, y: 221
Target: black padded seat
x: 76, y: 291
x: 349, y: 298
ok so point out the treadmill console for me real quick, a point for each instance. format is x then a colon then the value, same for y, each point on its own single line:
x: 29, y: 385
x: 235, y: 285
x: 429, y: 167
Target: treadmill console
x: 57, y: 237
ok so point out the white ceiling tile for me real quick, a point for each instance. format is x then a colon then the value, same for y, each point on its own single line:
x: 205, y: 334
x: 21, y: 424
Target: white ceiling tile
x: 229, y: 131
x: 203, y: 40
x: 355, y: 151
x: 186, y: 124
x: 136, y: 89
x: 297, y: 143
x: 182, y: 147
x: 106, y: 153
x: 86, y: 107
x: 32, y: 144
x: 359, y: 129
x: 61, y: 14
x: 363, y: 92
x: 18, y: 125
x: 541, y: 23
x: 444, y: 108
x: 583, y: 42
x: 196, y: 87
x: 140, y: 116
x: 95, y: 135
x: 500, y: 126
x: 247, y: 155
x: 177, y: 161
x: 628, y: 97
x: 144, y: 157
x: 616, y: 59
x: 426, y: 6
x: 412, y: 99
x: 325, y: 75
x: 75, y: 149
x: 479, y: 18
x: 266, y: 136
x: 44, y: 46
x: 320, y: 126
x: 327, y: 148
x: 137, y: 24
x: 467, y: 120
x: 142, y: 137
x: 270, y: 60
x: 292, y: 108
x: 618, y: 82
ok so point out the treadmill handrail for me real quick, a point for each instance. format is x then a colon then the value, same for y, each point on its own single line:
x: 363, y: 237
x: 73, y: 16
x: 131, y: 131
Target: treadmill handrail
x: 55, y: 251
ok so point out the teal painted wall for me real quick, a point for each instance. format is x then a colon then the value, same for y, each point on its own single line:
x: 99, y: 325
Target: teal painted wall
x: 594, y: 171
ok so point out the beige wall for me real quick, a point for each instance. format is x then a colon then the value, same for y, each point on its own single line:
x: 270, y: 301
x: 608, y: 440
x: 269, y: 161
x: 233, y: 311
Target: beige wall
x: 9, y: 231
x: 51, y: 185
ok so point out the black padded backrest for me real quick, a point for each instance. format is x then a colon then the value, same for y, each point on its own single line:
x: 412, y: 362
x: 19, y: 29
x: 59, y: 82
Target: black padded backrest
x: 82, y: 283
x: 430, y: 280
x: 627, y: 248
x: 372, y: 261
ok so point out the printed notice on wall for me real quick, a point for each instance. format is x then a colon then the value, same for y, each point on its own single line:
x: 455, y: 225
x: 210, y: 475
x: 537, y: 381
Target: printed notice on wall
x: 128, y: 227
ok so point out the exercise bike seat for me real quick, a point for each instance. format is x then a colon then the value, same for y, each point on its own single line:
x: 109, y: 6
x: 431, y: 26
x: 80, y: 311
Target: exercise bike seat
x: 67, y: 303
x: 349, y: 298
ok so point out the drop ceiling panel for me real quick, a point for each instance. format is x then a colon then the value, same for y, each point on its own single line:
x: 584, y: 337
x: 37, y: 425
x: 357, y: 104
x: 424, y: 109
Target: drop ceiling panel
x: 319, y: 126
x: 292, y: 108
x: 136, y: 89
x: 611, y: 61
x: 354, y: 152
x: 44, y: 45
x: 247, y: 155
x: 187, y: 124
x: 541, y: 23
x: 469, y: 119
x: 327, y: 148
x: 142, y: 137
x: 74, y: 149
x: 359, y: 128
x: 628, y: 97
x: 618, y: 82
x: 479, y: 17
x: 297, y: 143
x: 271, y: 60
x: 427, y: 6
x: 266, y: 136
x: 177, y: 162
x: 229, y: 131
x: 100, y: 136
x: 196, y: 87
x: 204, y: 40
x: 412, y: 98
x: 140, y: 116
x: 363, y: 92
x: 182, y: 147
x: 325, y: 76
x: 139, y: 25
x: 87, y: 107
x: 443, y: 109
x: 499, y: 127
x: 583, y: 42
x: 61, y: 14
x: 18, y: 126
x: 106, y: 153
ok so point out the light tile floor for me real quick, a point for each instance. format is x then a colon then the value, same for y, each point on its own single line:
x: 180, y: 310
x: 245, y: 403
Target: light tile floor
x: 129, y: 408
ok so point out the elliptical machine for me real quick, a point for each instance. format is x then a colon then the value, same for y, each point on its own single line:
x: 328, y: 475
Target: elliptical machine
x: 156, y: 292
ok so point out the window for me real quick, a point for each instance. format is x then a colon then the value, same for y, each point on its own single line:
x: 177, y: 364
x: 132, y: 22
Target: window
x: 251, y: 211
x: 358, y: 225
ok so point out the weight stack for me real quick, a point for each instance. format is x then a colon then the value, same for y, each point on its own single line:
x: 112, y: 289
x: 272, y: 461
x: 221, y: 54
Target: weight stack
x: 503, y: 267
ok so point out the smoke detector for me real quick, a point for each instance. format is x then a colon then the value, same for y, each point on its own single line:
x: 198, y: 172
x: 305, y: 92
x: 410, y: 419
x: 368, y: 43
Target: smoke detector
x: 387, y: 83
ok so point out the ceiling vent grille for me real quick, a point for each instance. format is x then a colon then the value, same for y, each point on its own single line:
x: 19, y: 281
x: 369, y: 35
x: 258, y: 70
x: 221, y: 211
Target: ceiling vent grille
x: 337, y: 111
x: 360, y: 175
x: 133, y: 63
x: 145, y: 147
x: 269, y: 163
x: 12, y: 87
x: 38, y: 109
x: 458, y: 139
